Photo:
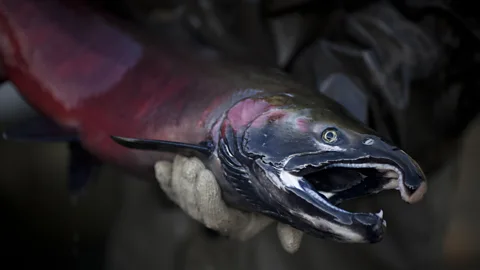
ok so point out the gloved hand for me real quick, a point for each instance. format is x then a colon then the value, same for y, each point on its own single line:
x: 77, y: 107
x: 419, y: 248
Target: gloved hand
x: 194, y: 189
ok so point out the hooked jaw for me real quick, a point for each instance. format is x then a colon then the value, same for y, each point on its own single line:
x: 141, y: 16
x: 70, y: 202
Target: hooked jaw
x: 409, y: 193
x: 323, y: 186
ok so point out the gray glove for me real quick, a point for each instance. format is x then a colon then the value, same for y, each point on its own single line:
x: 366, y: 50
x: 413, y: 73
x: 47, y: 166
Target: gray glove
x: 194, y: 189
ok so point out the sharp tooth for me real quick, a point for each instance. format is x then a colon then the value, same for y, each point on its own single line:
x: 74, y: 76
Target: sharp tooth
x: 380, y: 213
x: 393, y: 184
x: 384, y: 223
x: 327, y: 195
x: 391, y: 174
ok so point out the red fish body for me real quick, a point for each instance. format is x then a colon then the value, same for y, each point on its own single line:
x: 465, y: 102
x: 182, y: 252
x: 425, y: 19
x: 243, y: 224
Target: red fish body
x: 87, y: 73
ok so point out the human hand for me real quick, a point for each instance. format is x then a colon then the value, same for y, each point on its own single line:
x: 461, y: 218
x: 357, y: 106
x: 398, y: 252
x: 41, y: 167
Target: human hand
x: 195, y: 190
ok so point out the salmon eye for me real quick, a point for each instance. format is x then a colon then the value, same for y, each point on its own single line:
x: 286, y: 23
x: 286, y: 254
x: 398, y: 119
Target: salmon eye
x: 329, y: 136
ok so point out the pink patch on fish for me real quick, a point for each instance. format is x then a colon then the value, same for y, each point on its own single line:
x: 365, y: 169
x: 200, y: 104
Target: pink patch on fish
x: 245, y: 111
x: 302, y: 124
x: 215, y: 104
x: 269, y: 117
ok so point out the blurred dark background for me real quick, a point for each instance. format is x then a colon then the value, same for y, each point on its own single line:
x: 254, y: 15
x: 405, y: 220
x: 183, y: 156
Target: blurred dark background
x: 411, y: 66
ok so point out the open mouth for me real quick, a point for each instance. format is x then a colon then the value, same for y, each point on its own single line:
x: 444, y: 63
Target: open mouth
x: 350, y: 179
x: 339, y: 182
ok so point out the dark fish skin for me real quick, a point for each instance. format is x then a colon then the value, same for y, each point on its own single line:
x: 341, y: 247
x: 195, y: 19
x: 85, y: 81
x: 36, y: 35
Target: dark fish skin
x: 102, y: 77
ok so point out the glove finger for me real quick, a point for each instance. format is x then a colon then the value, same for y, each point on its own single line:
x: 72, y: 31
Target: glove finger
x: 184, y: 181
x: 176, y: 180
x: 219, y: 216
x: 192, y: 167
x: 215, y: 213
x: 163, y: 174
x: 290, y: 238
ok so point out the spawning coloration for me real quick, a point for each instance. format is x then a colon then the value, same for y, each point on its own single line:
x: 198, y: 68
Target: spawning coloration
x: 276, y: 147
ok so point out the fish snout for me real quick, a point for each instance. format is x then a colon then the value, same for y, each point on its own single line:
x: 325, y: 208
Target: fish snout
x: 413, y: 184
x: 405, y: 173
x: 413, y: 193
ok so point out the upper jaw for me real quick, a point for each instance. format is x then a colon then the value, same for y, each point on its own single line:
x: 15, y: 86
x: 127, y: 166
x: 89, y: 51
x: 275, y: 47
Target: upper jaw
x: 393, y: 176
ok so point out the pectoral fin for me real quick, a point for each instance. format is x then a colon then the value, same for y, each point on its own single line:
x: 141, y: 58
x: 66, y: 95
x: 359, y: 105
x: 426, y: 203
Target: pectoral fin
x: 204, y: 148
